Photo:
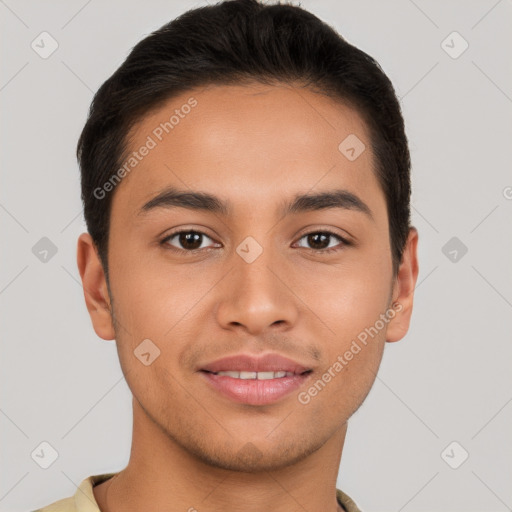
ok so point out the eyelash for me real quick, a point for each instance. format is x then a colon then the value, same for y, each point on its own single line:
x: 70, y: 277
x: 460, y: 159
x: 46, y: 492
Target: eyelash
x: 167, y: 246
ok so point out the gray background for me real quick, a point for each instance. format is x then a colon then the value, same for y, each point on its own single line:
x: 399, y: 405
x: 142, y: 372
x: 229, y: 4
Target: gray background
x: 449, y: 380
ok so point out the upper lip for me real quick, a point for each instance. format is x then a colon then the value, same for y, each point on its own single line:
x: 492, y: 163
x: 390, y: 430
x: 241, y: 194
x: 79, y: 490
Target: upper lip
x: 270, y: 362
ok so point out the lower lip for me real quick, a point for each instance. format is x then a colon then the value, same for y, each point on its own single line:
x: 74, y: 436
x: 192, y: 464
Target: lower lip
x: 253, y: 391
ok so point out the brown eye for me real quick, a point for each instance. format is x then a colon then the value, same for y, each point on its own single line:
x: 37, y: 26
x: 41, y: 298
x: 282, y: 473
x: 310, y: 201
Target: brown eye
x: 186, y: 240
x: 320, y: 241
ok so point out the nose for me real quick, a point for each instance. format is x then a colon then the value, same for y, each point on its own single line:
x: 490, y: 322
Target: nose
x: 257, y: 296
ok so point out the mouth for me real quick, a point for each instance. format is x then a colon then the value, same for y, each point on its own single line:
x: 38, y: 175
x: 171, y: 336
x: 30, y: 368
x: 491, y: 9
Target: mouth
x: 252, y: 380
x: 266, y: 375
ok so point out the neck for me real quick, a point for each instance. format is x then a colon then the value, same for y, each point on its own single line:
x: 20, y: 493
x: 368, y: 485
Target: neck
x: 162, y: 473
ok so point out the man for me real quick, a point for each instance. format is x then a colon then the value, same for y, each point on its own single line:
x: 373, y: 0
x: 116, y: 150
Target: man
x: 246, y: 187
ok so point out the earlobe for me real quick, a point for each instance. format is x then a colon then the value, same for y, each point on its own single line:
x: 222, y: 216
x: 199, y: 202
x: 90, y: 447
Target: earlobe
x: 95, y: 288
x: 403, y: 291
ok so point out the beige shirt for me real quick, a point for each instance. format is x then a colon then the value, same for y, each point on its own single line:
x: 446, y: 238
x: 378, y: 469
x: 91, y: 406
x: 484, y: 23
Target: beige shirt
x: 83, y: 500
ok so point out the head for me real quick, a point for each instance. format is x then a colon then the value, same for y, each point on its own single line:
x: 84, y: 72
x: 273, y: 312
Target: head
x: 214, y: 126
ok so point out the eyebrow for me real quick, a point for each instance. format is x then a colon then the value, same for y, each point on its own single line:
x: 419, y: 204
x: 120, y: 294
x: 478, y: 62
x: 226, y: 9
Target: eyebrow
x: 172, y: 197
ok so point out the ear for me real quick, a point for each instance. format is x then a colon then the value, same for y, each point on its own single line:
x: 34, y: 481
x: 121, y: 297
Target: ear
x: 403, y: 289
x: 94, y: 283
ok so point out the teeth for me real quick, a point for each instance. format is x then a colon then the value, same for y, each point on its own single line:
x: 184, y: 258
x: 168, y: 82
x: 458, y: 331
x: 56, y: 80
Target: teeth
x: 235, y: 375
x: 248, y: 375
x: 256, y: 375
x: 267, y: 375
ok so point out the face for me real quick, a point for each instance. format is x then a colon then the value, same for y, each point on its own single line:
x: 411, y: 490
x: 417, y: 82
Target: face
x: 240, y: 273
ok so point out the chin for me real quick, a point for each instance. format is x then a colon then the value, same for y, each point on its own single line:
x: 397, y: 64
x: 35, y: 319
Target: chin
x: 253, y: 457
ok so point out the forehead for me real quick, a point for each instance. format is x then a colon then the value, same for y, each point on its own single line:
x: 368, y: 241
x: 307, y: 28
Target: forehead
x: 251, y: 143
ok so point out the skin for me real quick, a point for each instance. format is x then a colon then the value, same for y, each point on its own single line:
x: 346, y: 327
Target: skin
x: 254, y: 145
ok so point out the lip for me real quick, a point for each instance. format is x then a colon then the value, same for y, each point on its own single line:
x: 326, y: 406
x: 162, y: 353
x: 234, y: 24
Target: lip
x: 254, y: 391
x: 270, y: 362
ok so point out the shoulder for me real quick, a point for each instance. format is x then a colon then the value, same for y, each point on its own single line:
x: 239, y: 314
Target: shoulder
x: 346, y: 502
x: 82, y: 501
x: 64, y: 505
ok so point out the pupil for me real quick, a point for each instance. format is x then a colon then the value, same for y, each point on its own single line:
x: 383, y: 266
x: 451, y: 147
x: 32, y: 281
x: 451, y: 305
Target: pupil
x: 313, y: 240
x: 188, y: 242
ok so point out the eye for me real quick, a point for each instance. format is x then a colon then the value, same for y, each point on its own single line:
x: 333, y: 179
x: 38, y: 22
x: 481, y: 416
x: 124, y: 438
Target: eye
x: 188, y: 240
x: 191, y: 241
x: 320, y: 240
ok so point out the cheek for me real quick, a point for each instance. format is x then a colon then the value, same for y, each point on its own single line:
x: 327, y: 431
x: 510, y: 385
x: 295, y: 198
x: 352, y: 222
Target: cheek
x: 352, y: 298
x: 160, y: 303
x: 352, y: 356
x: 353, y: 303
x: 150, y: 295
x: 337, y: 393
